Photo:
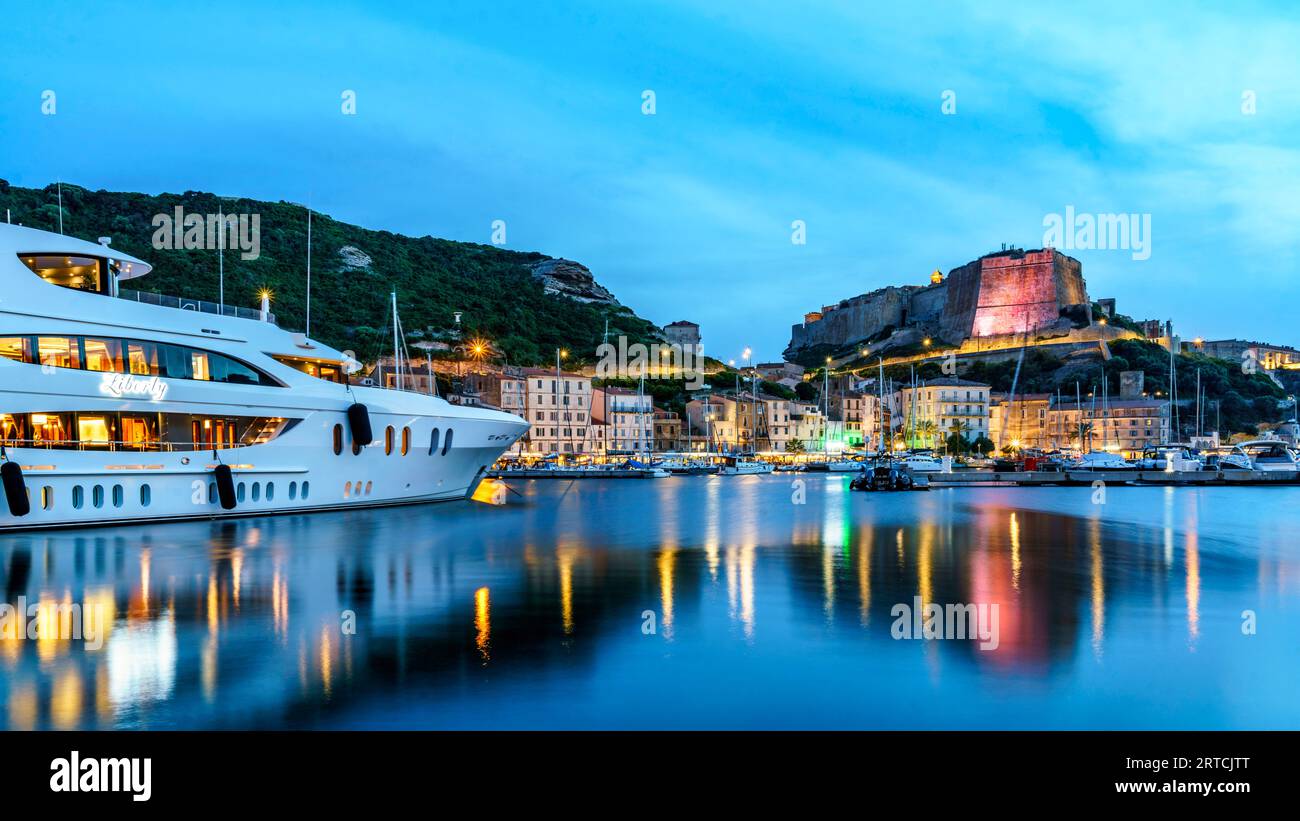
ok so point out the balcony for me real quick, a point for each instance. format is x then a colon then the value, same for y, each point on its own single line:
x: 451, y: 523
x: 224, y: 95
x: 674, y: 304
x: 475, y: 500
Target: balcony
x: 199, y: 305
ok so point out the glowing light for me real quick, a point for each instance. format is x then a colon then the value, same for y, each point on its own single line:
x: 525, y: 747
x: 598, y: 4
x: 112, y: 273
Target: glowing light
x: 482, y: 622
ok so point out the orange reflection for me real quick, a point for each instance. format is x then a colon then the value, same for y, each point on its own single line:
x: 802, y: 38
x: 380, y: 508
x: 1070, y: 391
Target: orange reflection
x: 482, y: 622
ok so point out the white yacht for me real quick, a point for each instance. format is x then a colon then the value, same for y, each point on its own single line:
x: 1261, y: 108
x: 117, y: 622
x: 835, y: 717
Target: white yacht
x: 921, y: 462
x: 1271, y: 455
x: 741, y: 466
x: 116, y: 410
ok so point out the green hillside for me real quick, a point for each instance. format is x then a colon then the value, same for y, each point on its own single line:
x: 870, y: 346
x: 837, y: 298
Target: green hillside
x: 501, y: 301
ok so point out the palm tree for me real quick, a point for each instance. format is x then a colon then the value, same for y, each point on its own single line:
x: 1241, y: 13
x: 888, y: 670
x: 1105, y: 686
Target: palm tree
x: 926, y: 429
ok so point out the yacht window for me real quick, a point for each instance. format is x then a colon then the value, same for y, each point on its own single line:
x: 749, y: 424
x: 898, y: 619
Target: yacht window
x: 200, y: 368
x: 406, y: 441
x: 388, y: 441
x: 446, y: 444
x: 93, y: 430
x: 328, y: 370
x: 17, y: 348
x: 13, y: 428
x: 103, y: 355
x: 433, y: 441
x: 51, y: 428
x: 338, y: 439
x: 142, y: 358
x: 59, y: 352
x: 75, y: 272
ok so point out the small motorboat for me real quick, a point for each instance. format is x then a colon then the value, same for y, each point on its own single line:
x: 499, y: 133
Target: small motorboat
x: 1100, y: 460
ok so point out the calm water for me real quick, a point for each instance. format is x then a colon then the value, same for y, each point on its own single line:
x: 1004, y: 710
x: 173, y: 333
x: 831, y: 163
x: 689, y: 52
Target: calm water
x: 766, y: 613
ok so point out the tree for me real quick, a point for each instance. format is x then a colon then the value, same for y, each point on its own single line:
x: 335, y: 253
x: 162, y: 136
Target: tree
x: 794, y: 446
x: 957, y: 443
x: 805, y: 391
x: 926, y: 429
x: 982, y: 445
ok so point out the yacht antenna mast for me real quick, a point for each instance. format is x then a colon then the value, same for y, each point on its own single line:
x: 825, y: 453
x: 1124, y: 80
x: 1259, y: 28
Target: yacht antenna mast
x: 221, y: 259
x: 309, y: 263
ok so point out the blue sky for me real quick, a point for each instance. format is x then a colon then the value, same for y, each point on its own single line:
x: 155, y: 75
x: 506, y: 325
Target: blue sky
x: 828, y: 113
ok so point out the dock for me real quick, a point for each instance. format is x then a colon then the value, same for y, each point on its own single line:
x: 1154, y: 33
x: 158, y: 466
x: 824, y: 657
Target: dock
x: 1043, y: 478
x: 570, y: 473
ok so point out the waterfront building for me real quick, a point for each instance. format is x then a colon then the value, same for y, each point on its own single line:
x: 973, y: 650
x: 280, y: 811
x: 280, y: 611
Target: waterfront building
x: 667, y: 431
x: 629, y: 415
x: 1020, y: 422
x: 713, y: 422
x: 559, y: 410
x: 936, y: 408
x: 1123, y: 425
x: 808, y: 425
x: 856, y: 411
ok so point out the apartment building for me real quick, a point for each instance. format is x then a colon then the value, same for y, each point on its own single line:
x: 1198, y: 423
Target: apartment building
x: 933, y: 410
x: 559, y: 408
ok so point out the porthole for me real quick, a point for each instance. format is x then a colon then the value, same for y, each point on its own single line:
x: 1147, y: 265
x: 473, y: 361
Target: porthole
x: 78, y: 497
x: 270, y: 491
x: 97, y: 496
x: 433, y: 442
x: 240, y: 493
x: 406, y: 441
x: 446, y: 443
x: 338, y: 439
x: 47, y: 497
x: 306, y: 489
x: 347, y: 490
x: 119, y: 496
x: 293, y: 491
x: 146, y: 495
x: 257, y: 491
x: 388, y: 441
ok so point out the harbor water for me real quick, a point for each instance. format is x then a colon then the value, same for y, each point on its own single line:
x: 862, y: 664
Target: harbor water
x: 688, y: 602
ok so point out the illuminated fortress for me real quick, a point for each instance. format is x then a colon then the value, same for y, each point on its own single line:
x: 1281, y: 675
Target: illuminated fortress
x: 1000, y: 300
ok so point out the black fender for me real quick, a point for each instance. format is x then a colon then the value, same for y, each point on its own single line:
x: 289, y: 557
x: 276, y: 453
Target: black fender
x: 225, y: 486
x: 359, y: 424
x: 15, y: 489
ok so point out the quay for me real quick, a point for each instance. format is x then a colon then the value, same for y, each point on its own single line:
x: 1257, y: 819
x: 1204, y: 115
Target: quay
x: 571, y: 473
x: 1044, y: 478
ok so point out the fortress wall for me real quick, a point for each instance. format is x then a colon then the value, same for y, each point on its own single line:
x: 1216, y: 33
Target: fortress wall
x: 926, y: 305
x: 1004, y: 294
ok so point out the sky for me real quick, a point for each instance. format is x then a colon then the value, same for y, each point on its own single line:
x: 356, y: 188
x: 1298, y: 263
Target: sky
x: 901, y: 140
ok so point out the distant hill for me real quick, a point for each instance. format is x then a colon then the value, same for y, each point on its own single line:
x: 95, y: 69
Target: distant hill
x: 527, y: 304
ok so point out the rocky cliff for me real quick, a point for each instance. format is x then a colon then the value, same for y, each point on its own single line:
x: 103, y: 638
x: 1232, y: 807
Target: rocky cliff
x: 564, y: 277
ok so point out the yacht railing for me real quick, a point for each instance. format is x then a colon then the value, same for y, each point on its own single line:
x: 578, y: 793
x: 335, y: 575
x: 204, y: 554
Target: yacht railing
x: 187, y: 304
x: 125, y: 447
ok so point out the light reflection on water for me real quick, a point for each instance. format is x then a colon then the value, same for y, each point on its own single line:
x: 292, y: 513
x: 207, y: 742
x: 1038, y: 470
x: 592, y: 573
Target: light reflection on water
x: 765, y: 612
